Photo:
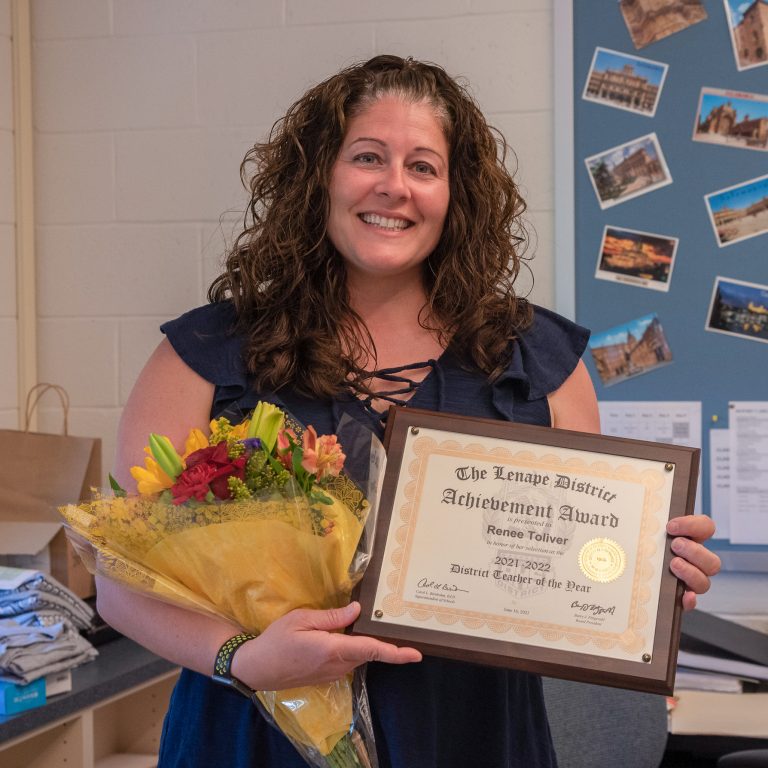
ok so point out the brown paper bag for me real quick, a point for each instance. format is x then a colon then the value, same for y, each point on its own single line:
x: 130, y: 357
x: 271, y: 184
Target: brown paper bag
x: 39, y: 472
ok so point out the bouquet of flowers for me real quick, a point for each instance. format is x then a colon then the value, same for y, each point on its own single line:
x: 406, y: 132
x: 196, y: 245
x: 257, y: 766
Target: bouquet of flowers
x: 249, y: 523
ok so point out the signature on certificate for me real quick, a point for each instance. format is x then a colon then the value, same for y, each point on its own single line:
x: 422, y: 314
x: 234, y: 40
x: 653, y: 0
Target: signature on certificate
x: 426, y: 583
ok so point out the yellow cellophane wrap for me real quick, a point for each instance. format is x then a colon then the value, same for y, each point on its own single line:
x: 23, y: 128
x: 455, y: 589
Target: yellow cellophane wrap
x: 249, y: 561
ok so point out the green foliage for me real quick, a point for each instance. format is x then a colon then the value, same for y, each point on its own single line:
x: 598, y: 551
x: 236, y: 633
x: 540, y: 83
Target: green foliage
x: 115, y: 486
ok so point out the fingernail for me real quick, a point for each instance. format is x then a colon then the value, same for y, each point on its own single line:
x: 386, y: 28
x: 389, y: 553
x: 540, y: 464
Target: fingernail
x: 673, y: 526
x: 678, y: 546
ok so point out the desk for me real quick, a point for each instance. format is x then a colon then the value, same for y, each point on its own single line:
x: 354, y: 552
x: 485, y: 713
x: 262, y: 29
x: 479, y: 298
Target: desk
x: 116, y: 705
x: 703, y: 751
x: 707, y: 724
x: 712, y: 724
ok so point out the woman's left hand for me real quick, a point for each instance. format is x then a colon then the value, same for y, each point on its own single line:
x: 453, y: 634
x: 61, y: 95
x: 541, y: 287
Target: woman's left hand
x: 694, y: 563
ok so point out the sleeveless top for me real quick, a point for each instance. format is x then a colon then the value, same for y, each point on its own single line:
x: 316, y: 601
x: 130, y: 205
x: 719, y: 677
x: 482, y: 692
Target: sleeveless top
x: 438, y: 713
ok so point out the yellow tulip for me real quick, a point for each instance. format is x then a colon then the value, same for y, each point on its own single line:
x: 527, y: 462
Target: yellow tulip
x: 150, y: 478
x: 240, y: 431
x: 195, y: 441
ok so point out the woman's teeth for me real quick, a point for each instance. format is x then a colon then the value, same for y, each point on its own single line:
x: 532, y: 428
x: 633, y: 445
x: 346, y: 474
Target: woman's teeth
x: 384, y: 223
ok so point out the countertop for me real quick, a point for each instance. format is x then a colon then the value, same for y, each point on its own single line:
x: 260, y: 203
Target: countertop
x: 120, y: 666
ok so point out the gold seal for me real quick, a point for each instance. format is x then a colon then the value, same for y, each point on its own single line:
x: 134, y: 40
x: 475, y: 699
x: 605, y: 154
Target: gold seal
x: 602, y: 560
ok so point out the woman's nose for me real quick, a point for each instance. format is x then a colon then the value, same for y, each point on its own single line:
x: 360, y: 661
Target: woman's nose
x: 393, y: 182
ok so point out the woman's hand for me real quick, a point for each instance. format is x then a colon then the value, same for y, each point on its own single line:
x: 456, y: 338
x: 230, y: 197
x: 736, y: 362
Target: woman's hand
x: 305, y: 647
x: 694, y: 563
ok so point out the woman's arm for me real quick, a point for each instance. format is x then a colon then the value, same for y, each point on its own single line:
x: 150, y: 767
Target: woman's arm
x: 301, y: 647
x: 574, y: 406
x: 169, y: 398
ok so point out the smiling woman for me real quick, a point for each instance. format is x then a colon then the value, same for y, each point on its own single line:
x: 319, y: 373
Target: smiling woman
x: 377, y: 265
x: 392, y: 141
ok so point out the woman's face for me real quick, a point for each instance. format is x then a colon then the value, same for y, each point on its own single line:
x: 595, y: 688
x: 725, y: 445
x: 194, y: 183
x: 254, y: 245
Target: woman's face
x: 389, y: 189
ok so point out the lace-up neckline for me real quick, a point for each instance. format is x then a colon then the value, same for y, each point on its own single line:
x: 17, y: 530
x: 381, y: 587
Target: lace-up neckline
x: 397, y: 396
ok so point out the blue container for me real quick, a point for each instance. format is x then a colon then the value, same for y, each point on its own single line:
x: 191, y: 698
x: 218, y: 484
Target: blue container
x: 16, y: 698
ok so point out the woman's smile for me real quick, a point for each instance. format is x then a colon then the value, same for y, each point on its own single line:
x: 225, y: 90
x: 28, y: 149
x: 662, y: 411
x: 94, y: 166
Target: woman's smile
x: 384, y: 222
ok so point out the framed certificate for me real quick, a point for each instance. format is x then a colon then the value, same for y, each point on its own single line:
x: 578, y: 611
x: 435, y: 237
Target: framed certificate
x: 529, y: 547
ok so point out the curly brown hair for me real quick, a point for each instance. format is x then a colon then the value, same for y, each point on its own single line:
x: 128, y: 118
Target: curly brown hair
x: 287, y: 280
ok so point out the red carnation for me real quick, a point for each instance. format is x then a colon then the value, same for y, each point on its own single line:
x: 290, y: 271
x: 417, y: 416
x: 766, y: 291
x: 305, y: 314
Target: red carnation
x: 208, y: 470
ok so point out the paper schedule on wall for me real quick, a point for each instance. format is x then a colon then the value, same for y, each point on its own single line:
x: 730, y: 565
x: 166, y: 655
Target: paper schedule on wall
x: 748, y: 428
x: 720, y: 481
x: 677, y: 423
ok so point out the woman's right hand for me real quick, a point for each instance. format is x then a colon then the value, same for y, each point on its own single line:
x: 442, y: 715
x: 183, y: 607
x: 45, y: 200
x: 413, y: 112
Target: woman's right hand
x: 306, y: 647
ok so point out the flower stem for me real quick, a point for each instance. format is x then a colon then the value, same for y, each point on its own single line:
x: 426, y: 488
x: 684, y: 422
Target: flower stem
x: 344, y: 755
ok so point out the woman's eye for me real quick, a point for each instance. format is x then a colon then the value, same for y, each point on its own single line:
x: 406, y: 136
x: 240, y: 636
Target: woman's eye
x: 366, y: 158
x: 423, y: 168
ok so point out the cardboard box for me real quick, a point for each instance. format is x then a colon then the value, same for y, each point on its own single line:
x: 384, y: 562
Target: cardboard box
x: 31, y: 533
x: 58, y: 682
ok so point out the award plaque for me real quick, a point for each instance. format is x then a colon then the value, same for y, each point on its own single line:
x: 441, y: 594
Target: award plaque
x: 529, y: 547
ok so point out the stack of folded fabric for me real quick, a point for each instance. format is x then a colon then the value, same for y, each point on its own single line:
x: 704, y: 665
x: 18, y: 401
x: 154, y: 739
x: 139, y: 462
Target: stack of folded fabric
x: 40, y: 623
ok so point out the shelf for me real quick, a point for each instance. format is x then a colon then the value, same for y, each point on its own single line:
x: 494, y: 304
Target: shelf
x: 127, y: 760
x: 131, y: 723
x: 112, y: 718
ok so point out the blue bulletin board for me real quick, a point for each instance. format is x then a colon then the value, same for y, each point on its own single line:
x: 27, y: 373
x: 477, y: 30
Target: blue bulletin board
x: 636, y: 238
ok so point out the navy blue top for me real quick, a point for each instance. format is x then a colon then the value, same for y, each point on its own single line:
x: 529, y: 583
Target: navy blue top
x: 435, y: 714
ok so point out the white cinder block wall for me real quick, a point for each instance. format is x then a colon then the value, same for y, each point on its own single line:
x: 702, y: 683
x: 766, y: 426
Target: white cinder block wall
x: 143, y: 110
x: 8, y: 357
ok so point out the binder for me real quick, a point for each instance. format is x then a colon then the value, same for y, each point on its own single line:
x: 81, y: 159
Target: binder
x: 706, y: 633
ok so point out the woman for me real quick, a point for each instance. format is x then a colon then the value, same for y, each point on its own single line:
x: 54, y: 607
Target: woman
x: 377, y: 266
